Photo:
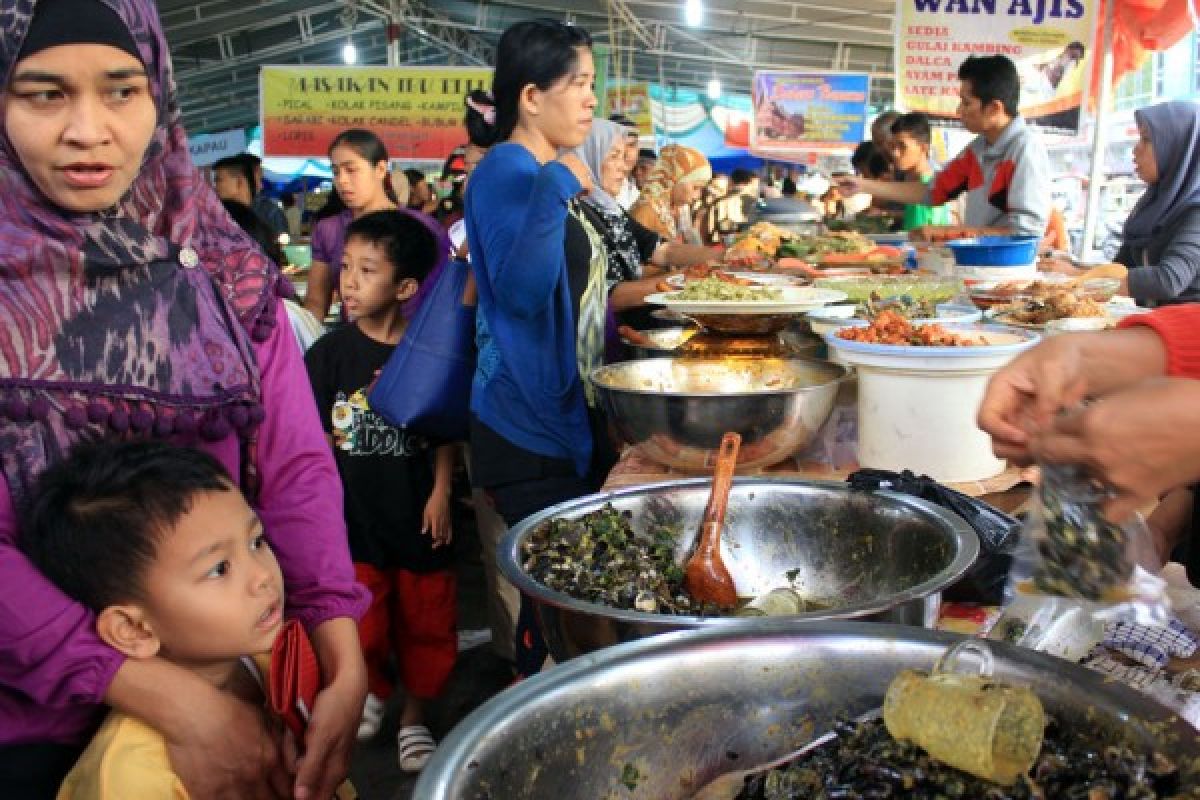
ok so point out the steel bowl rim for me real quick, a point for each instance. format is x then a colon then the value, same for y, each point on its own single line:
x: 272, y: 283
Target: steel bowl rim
x: 508, y: 558
x: 821, y: 387
x: 466, y: 736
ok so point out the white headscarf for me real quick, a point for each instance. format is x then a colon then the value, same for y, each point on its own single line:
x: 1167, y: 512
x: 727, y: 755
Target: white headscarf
x: 595, y: 148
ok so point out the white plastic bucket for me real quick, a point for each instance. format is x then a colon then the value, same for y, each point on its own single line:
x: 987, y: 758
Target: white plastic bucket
x: 999, y: 273
x: 917, y: 405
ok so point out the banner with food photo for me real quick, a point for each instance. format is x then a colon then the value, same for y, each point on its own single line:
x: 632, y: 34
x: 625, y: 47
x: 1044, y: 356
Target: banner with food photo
x: 417, y: 111
x: 809, y: 111
x: 1050, y: 41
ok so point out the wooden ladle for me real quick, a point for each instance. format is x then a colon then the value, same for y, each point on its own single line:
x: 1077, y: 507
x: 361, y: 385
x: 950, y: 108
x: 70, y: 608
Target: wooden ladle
x: 705, y: 576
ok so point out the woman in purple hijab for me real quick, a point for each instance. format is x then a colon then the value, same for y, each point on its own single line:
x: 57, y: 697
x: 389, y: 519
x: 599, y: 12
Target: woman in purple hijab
x: 1161, y: 238
x: 131, y: 305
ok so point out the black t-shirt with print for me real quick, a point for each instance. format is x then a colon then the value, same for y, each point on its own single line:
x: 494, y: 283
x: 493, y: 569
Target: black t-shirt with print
x: 387, y: 473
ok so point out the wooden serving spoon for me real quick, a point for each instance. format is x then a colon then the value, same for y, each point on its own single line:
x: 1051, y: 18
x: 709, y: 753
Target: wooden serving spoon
x: 705, y: 576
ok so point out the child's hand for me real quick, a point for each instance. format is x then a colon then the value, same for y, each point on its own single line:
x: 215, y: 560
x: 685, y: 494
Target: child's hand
x: 436, y: 520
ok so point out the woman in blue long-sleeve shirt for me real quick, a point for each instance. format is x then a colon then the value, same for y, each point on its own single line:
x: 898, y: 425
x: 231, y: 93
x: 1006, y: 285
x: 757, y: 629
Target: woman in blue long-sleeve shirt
x: 540, y: 270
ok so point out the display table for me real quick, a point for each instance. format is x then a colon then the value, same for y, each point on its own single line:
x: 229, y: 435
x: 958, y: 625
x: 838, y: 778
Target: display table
x: 1008, y: 491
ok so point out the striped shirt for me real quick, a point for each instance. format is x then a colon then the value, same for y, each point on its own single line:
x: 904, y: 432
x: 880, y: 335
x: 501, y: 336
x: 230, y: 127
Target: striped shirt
x: 1007, y: 183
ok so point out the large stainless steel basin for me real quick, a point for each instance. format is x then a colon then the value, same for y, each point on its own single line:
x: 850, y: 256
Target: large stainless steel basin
x: 684, y: 707
x: 677, y: 409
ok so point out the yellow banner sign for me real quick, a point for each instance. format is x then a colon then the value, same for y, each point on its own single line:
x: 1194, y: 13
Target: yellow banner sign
x: 633, y: 100
x: 416, y: 111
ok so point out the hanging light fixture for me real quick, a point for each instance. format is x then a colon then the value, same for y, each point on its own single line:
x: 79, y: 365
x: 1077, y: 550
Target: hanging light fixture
x: 714, y: 88
x: 348, y: 17
x: 693, y: 12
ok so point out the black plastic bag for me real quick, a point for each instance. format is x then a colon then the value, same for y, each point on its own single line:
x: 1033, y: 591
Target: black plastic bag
x: 998, y: 532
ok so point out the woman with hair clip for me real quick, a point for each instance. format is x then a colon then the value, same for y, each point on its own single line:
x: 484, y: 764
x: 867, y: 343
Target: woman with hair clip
x: 479, y: 119
x: 360, y: 174
x: 540, y: 270
x: 156, y: 317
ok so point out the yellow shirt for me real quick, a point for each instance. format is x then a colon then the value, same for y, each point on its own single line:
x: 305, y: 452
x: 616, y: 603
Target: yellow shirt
x: 128, y: 759
x: 125, y: 759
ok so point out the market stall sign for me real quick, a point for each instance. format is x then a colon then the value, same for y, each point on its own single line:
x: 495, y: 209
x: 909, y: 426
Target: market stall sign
x: 809, y: 111
x: 1050, y: 41
x: 209, y: 148
x: 417, y: 111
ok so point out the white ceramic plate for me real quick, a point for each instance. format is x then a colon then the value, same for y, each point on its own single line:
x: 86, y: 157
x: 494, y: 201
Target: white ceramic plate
x: 796, y: 300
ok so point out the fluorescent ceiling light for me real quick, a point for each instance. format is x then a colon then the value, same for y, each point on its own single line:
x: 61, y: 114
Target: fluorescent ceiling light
x: 693, y: 12
x: 714, y: 89
x: 350, y: 53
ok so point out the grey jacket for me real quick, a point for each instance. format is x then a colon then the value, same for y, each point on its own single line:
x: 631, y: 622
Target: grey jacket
x: 1168, y: 271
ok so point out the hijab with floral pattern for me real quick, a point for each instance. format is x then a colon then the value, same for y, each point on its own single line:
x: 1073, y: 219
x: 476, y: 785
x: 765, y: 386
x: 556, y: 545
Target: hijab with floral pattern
x: 133, y: 321
x: 676, y: 164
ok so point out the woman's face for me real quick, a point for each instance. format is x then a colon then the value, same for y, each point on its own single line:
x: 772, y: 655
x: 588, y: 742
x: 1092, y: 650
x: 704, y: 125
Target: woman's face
x: 686, y: 192
x: 358, y: 181
x: 612, y: 169
x: 80, y: 118
x: 1144, y: 161
x: 563, y: 113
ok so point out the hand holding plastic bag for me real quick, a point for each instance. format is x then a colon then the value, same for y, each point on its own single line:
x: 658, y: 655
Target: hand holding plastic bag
x: 1069, y: 549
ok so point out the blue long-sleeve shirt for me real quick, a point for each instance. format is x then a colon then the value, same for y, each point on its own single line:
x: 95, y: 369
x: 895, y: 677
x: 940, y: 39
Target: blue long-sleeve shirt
x: 527, y: 386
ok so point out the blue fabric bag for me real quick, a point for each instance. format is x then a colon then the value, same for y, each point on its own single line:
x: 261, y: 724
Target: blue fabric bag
x: 425, y: 386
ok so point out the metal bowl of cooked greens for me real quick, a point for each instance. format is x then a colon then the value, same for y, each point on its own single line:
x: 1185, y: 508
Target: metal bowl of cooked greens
x: 607, y: 568
x: 658, y: 718
x: 677, y: 409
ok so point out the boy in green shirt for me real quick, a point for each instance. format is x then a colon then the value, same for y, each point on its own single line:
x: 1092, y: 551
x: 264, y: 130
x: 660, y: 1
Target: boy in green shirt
x: 908, y: 146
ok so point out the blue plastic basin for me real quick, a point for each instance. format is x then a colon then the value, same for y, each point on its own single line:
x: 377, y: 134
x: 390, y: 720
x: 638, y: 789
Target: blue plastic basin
x: 995, y: 251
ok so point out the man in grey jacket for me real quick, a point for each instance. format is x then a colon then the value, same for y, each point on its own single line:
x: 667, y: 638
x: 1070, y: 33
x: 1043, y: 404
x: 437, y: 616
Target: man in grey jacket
x: 1004, y: 172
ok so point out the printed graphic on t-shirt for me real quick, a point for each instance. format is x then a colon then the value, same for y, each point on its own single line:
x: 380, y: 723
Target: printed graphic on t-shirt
x: 359, y: 431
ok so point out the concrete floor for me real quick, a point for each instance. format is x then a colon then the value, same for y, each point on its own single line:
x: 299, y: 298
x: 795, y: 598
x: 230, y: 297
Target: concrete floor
x: 478, y: 675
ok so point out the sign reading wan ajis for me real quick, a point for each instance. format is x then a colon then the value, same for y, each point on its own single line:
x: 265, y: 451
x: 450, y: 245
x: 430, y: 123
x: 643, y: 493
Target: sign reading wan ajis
x: 417, y: 111
x: 1048, y: 40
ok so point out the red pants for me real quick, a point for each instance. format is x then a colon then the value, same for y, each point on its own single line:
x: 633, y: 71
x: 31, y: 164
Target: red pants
x: 413, y: 615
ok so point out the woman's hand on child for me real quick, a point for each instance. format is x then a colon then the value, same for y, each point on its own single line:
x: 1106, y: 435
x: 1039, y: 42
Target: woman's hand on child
x: 230, y: 752
x: 436, y: 520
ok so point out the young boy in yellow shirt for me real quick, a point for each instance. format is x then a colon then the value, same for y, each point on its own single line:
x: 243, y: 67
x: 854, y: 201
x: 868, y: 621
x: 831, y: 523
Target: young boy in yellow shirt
x: 161, y: 545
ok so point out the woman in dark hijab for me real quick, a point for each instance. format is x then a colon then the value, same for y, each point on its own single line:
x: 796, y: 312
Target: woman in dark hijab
x: 133, y: 307
x: 1161, y: 241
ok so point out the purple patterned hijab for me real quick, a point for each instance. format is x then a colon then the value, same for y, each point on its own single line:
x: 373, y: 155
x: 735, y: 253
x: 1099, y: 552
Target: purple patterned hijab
x: 133, y: 321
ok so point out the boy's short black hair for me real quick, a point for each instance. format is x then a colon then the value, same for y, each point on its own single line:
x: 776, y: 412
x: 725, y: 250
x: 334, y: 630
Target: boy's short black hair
x: 411, y: 248
x: 95, y: 518
x: 240, y: 166
x: 915, y: 124
x: 647, y: 154
x: 415, y: 176
x: 993, y: 78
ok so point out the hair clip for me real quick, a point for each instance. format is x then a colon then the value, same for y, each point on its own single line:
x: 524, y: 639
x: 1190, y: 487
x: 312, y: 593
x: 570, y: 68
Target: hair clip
x: 487, y: 112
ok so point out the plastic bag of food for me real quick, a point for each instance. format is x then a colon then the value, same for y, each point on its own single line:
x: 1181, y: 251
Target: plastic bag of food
x: 1070, y: 550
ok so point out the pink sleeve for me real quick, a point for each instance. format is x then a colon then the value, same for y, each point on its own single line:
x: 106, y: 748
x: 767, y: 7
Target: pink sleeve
x: 300, y: 495
x: 49, y: 649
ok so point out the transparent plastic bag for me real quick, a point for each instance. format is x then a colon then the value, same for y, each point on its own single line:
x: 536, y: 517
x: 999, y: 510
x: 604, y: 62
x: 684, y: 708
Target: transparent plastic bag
x: 1070, y: 550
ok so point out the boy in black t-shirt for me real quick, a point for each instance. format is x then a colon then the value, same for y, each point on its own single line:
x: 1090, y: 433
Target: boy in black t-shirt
x: 396, y: 485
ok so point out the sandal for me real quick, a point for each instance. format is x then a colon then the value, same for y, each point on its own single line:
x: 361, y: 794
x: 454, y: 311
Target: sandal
x: 414, y: 746
x: 372, y: 718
